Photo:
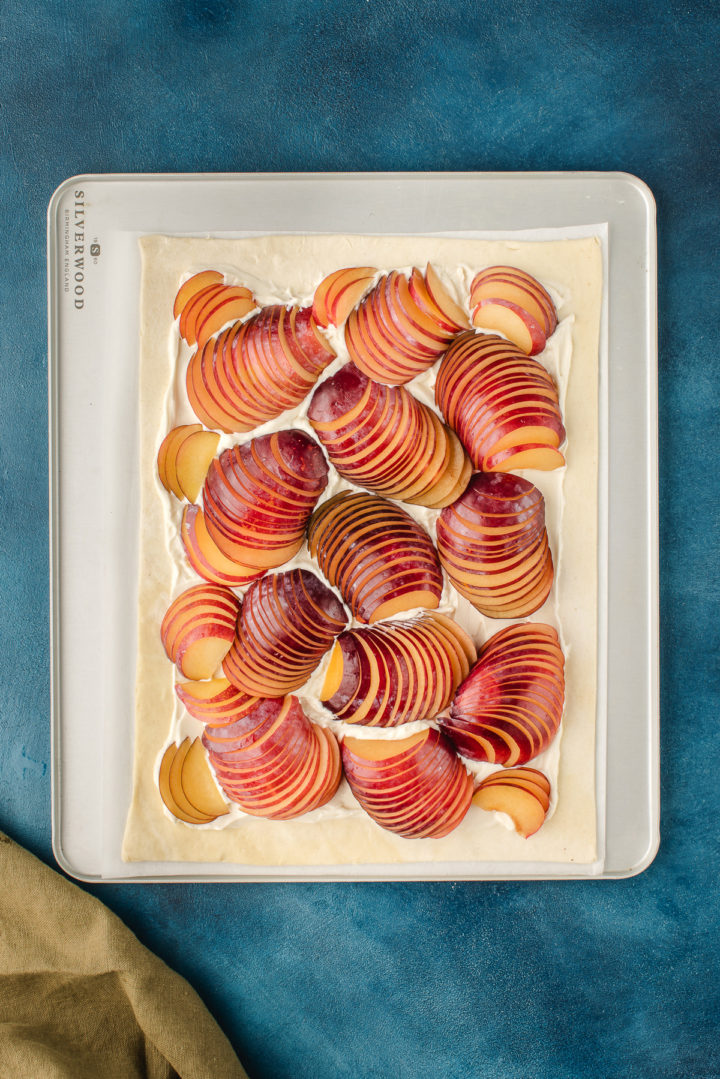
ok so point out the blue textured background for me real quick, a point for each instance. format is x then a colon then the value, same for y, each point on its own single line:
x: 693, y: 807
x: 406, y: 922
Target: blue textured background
x: 539, y: 981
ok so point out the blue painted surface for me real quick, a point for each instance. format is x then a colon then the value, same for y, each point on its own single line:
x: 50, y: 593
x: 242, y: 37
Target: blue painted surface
x: 543, y: 981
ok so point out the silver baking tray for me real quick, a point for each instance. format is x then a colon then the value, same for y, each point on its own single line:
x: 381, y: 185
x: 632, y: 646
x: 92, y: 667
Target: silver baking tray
x: 93, y: 296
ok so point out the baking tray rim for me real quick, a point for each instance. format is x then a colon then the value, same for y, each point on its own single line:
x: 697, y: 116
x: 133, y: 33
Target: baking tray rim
x: 252, y: 874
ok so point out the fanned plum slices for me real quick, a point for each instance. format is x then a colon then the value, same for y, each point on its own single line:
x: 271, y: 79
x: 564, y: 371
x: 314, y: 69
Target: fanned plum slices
x: 397, y: 672
x: 167, y: 456
x: 258, y: 497
x: 287, y: 623
x: 206, y: 558
x: 382, y: 438
x: 256, y: 369
x: 402, y: 326
x: 192, y: 286
x: 216, y: 701
x: 198, y: 629
x: 205, y: 303
x: 493, y: 545
x: 509, y: 708
x: 184, y: 458
x: 416, y: 787
x: 249, y: 511
x: 187, y: 786
x: 339, y: 292
x: 522, y: 793
x: 512, y: 302
x: 381, y: 560
x: 274, y: 762
x: 503, y: 404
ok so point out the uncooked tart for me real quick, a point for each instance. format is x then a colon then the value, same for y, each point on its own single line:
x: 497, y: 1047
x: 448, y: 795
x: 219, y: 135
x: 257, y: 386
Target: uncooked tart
x: 278, y: 272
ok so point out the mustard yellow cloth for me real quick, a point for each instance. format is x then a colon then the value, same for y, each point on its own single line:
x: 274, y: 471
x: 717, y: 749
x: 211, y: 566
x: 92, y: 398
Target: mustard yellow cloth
x: 81, y: 998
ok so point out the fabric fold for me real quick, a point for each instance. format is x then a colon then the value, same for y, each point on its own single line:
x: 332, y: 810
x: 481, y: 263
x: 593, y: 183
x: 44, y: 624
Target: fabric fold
x: 81, y: 997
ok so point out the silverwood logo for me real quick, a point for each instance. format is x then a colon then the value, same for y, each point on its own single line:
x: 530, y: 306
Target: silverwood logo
x: 76, y: 249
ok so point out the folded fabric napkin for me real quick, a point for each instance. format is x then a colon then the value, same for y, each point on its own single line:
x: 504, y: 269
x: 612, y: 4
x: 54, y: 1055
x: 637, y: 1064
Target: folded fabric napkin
x: 81, y: 997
